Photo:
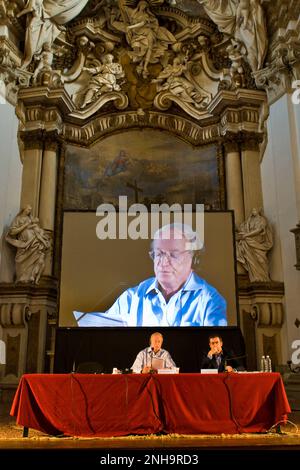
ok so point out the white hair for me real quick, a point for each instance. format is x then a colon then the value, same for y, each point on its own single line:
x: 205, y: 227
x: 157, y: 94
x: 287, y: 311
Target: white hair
x: 193, y: 242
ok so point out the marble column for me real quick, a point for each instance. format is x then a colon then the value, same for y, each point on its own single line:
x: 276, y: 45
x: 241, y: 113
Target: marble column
x: 48, y: 185
x: 48, y: 191
x: 252, y: 186
x: 31, y: 176
x: 234, y: 184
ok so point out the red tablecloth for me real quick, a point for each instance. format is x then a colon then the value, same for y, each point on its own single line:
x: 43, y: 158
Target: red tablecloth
x: 116, y: 405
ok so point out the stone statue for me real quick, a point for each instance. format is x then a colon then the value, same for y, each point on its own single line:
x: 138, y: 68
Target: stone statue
x: 104, y: 79
x: 172, y: 78
x: 254, y: 239
x: 245, y: 21
x: 40, y: 29
x: 236, y: 69
x: 45, y: 22
x: 147, y: 39
x: 243, y: 14
x: 45, y: 61
x: 32, y: 244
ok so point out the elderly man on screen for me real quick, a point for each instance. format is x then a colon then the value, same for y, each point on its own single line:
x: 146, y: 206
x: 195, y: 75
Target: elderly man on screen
x: 144, y: 362
x: 176, y: 296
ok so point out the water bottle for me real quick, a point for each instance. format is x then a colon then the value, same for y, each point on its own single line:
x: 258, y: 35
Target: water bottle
x: 263, y: 364
x: 269, y: 364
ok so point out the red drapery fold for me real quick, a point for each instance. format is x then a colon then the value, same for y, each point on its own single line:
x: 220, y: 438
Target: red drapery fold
x: 116, y: 405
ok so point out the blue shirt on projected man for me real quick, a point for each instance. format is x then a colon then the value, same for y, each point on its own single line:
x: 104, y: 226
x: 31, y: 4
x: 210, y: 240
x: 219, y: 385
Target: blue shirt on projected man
x: 196, y: 304
x: 176, y: 296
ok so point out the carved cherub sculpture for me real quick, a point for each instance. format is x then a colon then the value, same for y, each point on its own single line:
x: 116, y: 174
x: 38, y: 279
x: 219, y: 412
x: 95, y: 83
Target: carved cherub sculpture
x: 45, y: 59
x: 236, y: 56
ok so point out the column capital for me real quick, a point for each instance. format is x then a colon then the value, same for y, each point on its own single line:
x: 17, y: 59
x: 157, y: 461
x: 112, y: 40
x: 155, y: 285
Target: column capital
x: 32, y: 139
x: 250, y: 142
x: 39, y: 139
x: 52, y: 140
x: 231, y: 145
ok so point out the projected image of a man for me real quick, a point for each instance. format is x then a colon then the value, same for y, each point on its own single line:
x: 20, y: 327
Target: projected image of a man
x: 176, y: 296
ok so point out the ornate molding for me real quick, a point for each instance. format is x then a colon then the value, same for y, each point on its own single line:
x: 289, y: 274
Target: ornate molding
x: 237, y: 113
x: 32, y: 139
x: 191, y: 131
x: 120, y: 101
x: 40, y: 139
x: 52, y: 140
x: 44, y: 97
x: 31, y: 295
x: 177, y: 59
x: 284, y: 68
x: 250, y: 142
x: 94, y: 33
x: 8, y: 76
x: 264, y: 302
x: 14, y: 315
x: 231, y: 144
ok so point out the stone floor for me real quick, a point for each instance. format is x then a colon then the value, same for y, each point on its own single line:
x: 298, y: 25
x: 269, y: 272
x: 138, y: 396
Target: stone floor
x: 240, y: 450
x: 10, y: 432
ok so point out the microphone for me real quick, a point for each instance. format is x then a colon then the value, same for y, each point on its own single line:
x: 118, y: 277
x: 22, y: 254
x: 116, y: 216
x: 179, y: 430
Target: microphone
x: 151, y: 355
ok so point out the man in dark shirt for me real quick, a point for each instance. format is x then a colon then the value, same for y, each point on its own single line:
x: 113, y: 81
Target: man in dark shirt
x: 219, y: 358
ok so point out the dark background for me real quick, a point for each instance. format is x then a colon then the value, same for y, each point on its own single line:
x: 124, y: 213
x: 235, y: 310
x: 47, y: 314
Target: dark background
x: 118, y: 347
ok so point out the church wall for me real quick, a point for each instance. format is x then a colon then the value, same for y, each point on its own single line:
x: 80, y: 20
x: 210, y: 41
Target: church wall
x: 10, y: 183
x: 281, y: 191
x: 294, y: 122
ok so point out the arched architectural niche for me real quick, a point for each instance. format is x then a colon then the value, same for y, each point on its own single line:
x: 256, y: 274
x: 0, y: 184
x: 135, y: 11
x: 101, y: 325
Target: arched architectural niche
x: 48, y: 127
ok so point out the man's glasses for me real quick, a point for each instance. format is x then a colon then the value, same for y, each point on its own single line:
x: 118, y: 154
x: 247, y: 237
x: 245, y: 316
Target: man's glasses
x: 171, y: 256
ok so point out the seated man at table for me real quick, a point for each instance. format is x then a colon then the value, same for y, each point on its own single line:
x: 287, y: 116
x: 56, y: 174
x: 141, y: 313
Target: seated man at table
x: 144, y: 362
x: 219, y: 358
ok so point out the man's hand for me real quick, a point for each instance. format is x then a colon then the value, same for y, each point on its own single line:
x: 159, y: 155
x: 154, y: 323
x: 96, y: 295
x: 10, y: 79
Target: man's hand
x: 214, y: 350
x: 210, y: 353
x: 146, y: 370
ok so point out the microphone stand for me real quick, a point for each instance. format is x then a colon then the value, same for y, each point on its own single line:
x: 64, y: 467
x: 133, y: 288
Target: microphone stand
x: 151, y: 356
x: 233, y: 358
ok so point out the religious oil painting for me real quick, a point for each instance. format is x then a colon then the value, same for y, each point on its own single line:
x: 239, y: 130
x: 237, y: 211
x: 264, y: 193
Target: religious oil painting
x: 149, y: 167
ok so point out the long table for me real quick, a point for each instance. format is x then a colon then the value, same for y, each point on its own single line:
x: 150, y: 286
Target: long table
x: 90, y: 405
